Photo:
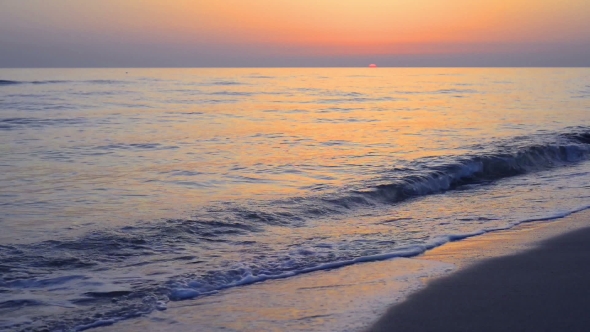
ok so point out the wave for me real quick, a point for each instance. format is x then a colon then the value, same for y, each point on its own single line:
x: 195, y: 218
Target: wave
x: 135, y: 146
x: 225, y: 82
x: 244, y: 276
x: 481, y: 169
x: 104, y: 81
x: 5, y: 82
x: 231, y: 93
x: 18, y: 123
x: 230, y: 229
x: 108, y: 306
x: 10, y: 82
x: 421, y: 180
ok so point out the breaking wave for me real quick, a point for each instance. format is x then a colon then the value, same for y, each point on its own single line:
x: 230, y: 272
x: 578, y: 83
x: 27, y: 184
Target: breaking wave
x: 232, y: 229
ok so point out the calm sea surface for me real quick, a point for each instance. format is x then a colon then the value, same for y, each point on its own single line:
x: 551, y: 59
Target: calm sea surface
x: 124, y: 189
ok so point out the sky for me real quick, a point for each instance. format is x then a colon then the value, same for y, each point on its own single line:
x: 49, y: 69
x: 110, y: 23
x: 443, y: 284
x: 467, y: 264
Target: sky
x: 293, y: 33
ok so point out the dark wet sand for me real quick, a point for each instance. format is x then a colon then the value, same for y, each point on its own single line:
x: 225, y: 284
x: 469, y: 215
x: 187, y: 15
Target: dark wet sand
x: 544, y: 289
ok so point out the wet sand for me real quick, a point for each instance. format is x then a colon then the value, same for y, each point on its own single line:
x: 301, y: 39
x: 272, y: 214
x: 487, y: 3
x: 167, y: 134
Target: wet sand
x: 544, y: 288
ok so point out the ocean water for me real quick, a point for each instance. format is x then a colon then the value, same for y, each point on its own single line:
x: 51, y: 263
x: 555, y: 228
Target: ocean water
x: 122, y: 190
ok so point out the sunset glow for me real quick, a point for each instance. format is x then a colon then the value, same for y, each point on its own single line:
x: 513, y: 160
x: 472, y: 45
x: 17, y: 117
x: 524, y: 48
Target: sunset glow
x: 305, y: 28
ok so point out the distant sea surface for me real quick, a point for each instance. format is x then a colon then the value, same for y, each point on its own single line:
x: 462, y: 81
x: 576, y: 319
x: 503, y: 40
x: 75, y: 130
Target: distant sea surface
x: 124, y: 189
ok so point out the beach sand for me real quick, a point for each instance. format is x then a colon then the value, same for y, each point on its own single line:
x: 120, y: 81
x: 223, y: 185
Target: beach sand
x: 542, y: 286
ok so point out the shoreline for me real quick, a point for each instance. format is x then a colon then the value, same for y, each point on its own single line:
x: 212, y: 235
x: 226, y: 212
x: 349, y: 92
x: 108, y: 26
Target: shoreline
x: 349, y: 298
x: 535, y: 281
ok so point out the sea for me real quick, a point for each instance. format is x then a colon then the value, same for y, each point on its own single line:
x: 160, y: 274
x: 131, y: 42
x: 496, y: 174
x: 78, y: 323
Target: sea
x: 124, y: 191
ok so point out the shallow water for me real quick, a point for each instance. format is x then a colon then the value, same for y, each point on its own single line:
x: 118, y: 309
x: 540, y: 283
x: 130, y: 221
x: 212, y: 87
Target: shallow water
x: 124, y: 189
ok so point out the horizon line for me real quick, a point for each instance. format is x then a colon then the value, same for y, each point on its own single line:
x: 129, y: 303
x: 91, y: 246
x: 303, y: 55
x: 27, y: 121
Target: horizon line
x: 277, y: 67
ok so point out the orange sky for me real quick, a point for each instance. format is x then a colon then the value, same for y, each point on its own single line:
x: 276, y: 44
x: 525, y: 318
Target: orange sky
x: 360, y: 26
x: 304, y: 27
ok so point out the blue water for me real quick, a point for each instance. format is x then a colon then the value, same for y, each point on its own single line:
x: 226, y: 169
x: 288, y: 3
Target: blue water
x: 125, y: 189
